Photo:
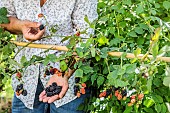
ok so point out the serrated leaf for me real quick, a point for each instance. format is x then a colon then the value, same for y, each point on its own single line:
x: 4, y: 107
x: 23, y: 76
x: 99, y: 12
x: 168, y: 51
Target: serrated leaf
x: 79, y: 73
x: 139, y: 9
x: 23, y: 60
x: 63, y: 66
x: 93, y: 78
x: 166, y: 81
x: 100, y: 80
x: 137, y: 52
x: 3, y: 11
x: 132, y: 34
x: 86, y: 69
x: 93, y: 52
x: 158, y: 108
x: 166, y: 5
x: 148, y: 102
x: 139, y: 30
x: 155, y: 49
x: 120, y: 83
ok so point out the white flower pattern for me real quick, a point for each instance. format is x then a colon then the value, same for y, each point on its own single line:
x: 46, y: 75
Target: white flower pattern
x: 68, y: 15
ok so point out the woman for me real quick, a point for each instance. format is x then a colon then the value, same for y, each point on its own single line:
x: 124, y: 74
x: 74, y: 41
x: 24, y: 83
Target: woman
x: 65, y: 16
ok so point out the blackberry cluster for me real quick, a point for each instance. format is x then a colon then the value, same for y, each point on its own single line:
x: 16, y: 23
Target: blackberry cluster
x: 53, y: 89
x: 51, y: 71
x: 20, y: 90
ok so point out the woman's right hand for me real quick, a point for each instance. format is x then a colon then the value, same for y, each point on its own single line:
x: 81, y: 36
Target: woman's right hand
x: 30, y: 30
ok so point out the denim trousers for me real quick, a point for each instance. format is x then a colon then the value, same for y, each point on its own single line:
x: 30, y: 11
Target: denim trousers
x: 40, y: 107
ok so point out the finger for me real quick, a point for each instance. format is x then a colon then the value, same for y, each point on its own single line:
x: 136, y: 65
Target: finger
x: 32, y: 24
x: 63, y: 91
x: 39, y: 35
x: 42, y: 95
x: 53, y: 98
x: 45, y: 100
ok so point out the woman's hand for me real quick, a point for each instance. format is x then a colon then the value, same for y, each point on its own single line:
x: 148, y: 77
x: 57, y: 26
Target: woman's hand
x: 61, y: 81
x: 30, y: 30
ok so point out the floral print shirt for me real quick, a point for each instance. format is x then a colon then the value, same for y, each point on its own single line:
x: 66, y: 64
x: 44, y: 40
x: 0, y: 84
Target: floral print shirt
x: 68, y: 15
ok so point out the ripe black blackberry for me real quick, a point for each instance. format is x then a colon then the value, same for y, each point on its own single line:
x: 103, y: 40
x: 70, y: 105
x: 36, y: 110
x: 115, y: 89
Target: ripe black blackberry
x: 108, y: 92
x: 41, y: 27
x: 77, y: 79
x: 76, y: 89
x: 47, y: 72
x: 124, y: 93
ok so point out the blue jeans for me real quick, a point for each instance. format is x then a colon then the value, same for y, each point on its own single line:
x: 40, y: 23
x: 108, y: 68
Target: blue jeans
x: 40, y: 107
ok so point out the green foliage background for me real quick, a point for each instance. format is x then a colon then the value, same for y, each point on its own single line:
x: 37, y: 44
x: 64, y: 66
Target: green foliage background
x: 129, y: 26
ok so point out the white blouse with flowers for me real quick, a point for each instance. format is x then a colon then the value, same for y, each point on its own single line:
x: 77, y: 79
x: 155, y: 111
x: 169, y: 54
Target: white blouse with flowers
x: 68, y: 15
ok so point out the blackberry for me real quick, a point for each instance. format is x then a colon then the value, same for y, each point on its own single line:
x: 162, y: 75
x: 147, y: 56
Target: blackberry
x: 20, y: 87
x: 108, y: 92
x: 47, y: 89
x: 124, y: 93
x: 24, y: 92
x: 52, y: 89
x: 49, y: 94
x: 41, y: 27
x: 57, y: 91
x: 47, y: 72
x: 77, y: 80
x: 54, y: 84
x: 52, y: 71
x: 58, y: 87
x: 76, y: 89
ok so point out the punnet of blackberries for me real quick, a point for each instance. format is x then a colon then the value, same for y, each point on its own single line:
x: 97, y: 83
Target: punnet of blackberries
x: 53, y: 89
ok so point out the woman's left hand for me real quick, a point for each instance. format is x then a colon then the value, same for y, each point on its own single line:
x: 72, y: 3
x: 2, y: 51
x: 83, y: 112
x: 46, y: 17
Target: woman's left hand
x: 61, y: 81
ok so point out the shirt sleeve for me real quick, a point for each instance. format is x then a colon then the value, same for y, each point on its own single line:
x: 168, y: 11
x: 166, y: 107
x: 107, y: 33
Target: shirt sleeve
x: 9, y: 5
x: 84, y: 8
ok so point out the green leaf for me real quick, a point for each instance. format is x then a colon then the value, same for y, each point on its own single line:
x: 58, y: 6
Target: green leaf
x: 86, y: 19
x: 166, y: 81
x: 63, y: 66
x: 166, y: 5
x: 93, y: 52
x: 137, y: 52
x: 148, y: 102
x: 132, y: 34
x: 112, y: 76
x: 100, y: 80
x: 86, y: 69
x: 120, y: 83
x: 163, y: 108
x: 97, y: 57
x: 79, y: 52
x: 103, y: 40
x: 157, y: 98
x: 3, y: 11
x: 167, y: 71
x: 139, y: 30
x: 93, y: 78
x: 128, y: 109
x: 79, y: 73
x: 139, y: 9
x: 158, y: 108
x: 155, y: 50
x: 23, y: 60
